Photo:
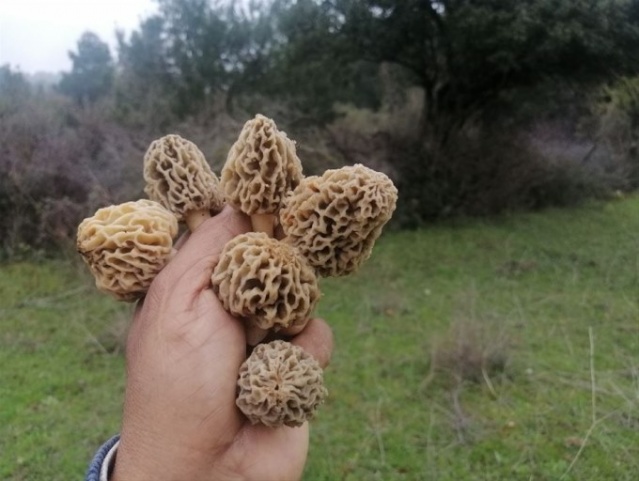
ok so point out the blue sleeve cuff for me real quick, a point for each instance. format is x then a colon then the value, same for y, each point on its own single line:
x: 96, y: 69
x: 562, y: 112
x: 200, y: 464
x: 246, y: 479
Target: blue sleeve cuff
x: 93, y: 474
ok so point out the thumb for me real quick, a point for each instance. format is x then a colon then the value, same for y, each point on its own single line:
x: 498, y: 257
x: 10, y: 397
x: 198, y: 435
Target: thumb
x: 190, y: 270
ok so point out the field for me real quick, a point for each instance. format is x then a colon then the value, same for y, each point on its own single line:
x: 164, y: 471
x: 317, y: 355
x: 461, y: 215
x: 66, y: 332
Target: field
x: 502, y: 349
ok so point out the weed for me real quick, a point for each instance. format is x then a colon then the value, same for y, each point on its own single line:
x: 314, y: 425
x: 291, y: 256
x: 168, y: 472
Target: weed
x: 471, y: 351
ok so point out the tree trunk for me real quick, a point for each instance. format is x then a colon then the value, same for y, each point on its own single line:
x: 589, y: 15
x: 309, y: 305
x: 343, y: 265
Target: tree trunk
x: 427, y: 129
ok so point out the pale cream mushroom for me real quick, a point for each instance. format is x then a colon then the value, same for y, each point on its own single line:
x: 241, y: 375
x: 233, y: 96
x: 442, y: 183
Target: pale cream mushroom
x: 334, y: 219
x: 125, y: 246
x: 261, y: 168
x: 280, y: 384
x: 265, y: 282
x: 178, y: 177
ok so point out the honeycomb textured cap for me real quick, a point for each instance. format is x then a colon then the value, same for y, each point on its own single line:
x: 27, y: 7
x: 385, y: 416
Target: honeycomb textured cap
x: 261, y: 168
x: 335, y: 219
x: 265, y: 281
x: 178, y: 177
x: 126, y: 245
x: 280, y: 384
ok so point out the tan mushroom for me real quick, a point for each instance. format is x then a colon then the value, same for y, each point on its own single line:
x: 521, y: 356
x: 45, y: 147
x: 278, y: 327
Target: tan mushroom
x: 280, y: 384
x: 178, y: 177
x: 260, y: 169
x: 265, y: 282
x: 126, y: 245
x: 335, y: 219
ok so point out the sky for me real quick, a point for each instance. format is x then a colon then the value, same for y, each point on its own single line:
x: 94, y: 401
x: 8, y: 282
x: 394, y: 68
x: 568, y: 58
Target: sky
x: 36, y: 35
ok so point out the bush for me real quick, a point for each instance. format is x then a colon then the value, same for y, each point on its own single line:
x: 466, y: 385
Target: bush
x: 484, y: 168
x: 617, y: 130
x: 58, y: 163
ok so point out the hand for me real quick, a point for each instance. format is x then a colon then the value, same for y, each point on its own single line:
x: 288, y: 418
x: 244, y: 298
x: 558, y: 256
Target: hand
x: 184, y: 351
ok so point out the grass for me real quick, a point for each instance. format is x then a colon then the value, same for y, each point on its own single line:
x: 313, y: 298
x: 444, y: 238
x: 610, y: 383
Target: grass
x: 503, y: 349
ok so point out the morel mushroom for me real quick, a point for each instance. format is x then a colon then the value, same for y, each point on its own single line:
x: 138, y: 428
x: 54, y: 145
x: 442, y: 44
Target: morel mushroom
x: 265, y: 282
x: 126, y: 245
x: 178, y: 177
x: 335, y: 219
x: 260, y: 169
x: 280, y: 384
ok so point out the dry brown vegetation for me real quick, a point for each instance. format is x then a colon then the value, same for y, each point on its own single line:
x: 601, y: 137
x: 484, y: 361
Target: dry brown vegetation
x: 60, y: 161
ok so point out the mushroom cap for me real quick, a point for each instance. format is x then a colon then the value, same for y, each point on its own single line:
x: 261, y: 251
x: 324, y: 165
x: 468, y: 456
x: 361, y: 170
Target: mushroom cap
x: 126, y: 245
x: 261, y: 168
x: 335, y: 219
x: 178, y: 177
x: 265, y: 281
x: 280, y: 384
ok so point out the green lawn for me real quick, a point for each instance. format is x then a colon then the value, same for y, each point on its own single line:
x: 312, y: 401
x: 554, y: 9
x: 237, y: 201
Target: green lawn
x: 505, y: 349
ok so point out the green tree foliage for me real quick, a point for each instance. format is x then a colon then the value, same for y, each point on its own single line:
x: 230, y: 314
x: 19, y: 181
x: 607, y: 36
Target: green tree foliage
x: 92, y: 71
x: 14, y: 89
x: 466, y: 53
x: 310, y: 68
x: 194, y: 50
x: 144, y: 86
x: 623, y: 97
x: 618, y: 123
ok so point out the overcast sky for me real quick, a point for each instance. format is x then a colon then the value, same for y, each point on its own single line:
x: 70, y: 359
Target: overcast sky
x: 35, y: 35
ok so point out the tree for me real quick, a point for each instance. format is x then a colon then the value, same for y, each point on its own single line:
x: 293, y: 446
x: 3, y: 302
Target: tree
x: 313, y: 66
x: 144, y: 55
x: 92, y: 71
x: 196, y: 50
x: 14, y: 88
x: 465, y: 53
x: 145, y: 86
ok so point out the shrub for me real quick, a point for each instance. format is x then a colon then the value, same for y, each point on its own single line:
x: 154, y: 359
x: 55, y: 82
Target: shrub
x: 617, y: 130
x: 58, y: 163
x: 471, y: 351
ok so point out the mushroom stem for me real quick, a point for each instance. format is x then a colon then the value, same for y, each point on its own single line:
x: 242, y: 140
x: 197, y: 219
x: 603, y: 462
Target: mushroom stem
x: 195, y: 218
x: 263, y: 223
x: 294, y: 329
x: 255, y: 334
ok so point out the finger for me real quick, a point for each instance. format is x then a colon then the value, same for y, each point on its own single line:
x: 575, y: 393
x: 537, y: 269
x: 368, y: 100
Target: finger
x: 207, y: 242
x: 317, y: 340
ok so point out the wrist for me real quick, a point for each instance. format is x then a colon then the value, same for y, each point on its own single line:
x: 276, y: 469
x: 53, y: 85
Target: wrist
x: 136, y: 462
x: 147, y: 460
